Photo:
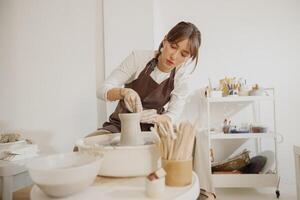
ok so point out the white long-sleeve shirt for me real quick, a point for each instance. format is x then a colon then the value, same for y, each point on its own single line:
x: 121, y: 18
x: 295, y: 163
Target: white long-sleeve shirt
x: 134, y: 64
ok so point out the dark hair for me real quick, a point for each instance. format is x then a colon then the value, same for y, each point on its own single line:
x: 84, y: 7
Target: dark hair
x: 181, y: 31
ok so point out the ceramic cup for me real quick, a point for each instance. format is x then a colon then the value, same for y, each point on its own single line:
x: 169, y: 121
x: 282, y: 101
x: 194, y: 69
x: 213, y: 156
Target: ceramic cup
x: 155, y: 188
x: 179, y: 172
x: 244, y: 90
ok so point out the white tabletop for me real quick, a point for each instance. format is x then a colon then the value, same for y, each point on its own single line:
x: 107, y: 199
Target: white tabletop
x: 124, y: 188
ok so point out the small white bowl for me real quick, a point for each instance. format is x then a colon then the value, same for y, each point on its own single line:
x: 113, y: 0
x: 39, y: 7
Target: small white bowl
x: 61, y: 175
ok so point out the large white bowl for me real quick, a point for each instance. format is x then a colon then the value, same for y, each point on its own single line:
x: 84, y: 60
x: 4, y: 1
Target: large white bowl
x: 61, y: 175
x: 123, y: 161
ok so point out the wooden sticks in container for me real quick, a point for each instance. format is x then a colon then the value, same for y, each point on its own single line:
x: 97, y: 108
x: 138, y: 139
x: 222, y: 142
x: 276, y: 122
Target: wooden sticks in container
x: 178, y: 143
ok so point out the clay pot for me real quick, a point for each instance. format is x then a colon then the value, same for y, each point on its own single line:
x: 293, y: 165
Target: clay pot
x: 130, y: 129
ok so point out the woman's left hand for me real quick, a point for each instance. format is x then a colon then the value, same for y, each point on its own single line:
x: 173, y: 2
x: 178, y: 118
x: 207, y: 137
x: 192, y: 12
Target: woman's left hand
x: 150, y: 116
x: 163, y: 119
x: 163, y: 122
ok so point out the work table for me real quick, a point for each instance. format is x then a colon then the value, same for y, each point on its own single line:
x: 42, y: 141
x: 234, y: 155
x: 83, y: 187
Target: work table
x: 124, y: 188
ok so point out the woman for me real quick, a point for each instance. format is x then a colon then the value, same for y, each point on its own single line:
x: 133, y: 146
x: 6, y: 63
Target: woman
x: 156, y: 82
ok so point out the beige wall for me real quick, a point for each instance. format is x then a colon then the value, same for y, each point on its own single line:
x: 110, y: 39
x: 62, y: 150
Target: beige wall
x: 128, y: 26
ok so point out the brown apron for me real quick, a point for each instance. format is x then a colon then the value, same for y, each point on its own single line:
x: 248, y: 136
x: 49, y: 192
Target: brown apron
x: 152, y: 94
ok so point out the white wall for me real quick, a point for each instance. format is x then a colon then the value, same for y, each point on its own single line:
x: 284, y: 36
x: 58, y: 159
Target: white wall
x: 48, y: 60
x: 128, y: 26
x: 257, y: 40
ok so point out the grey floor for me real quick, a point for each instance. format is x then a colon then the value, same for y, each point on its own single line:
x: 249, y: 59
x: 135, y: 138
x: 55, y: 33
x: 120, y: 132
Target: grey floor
x: 287, y: 192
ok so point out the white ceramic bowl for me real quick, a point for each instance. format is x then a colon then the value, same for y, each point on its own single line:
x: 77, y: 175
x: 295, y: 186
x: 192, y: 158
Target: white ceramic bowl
x: 270, y: 160
x: 61, y: 175
x: 123, y: 161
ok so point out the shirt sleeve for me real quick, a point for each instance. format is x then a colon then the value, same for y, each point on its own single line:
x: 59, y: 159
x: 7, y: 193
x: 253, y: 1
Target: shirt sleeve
x: 178, y: 96
x: 124, y: 73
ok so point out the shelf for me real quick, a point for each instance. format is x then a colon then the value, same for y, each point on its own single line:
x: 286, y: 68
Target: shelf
x: 216, y: 136
x: 245, y: 180
x: 228, y: 180
x: 239, y: 99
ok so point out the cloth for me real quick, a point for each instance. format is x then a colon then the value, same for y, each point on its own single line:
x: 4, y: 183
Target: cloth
x: 98, y: 132
x: 19, y: 152
x: 152, y: 94
x: 195, y: 112
x: 201, y: 162
x: 130, y: 69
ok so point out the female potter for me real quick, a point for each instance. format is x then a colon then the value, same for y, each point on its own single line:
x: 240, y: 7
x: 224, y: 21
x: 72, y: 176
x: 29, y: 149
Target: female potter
x: 155, y: 83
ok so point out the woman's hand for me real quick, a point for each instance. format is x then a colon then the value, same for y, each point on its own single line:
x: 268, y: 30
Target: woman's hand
x: 163, y: 122
x: 163, y: 119
x: 132, y: 100
x: 148, y: 116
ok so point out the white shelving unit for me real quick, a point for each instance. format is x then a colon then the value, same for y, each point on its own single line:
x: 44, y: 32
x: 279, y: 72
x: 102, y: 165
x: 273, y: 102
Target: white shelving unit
x: 215, y: 136
x: 246, y: 180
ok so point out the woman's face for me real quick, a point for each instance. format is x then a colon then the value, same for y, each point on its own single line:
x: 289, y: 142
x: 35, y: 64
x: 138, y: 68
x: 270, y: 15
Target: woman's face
x: 173, y: 55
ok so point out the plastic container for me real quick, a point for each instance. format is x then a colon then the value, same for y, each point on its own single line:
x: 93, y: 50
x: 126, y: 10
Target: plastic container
x: 155, y: 188
x: 216, y: 93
